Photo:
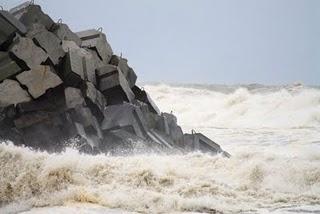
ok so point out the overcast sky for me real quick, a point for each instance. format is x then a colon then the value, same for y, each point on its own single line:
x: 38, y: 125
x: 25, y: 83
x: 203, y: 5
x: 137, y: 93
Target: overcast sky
x: 204, y: 41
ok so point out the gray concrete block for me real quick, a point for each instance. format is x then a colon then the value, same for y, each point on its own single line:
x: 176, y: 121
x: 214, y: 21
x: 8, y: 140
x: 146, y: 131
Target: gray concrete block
x: 8, y: 67
x: 73, y: 97
x: 88, y: 66
x: 144, y: 97
x: 128, y: 72
x: 83, y: 115
x: 127, y: 117
x: 31, y: 118
x: 39, y: 79
x: 29, y: 14
x: 24, y: 49
x: 67, y: 45
x: 95, y: 101
x: 9, y: 25
x: 73, y: 72
x: 12, y: 93
x: 199, y: 142
x: 48, y: 41
x: 79, y: 64
x: 63, y: 32
x: 114, y: 85
x: 175, y: 131
x: 96, y: 40
x: 97, y: 61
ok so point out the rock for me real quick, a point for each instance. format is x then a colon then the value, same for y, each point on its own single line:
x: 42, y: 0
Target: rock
x: 128, y: 72
x: 63, y: 32
x: 30, y: 14
x: 97, y: 41
x: 8, y: 67
x: 114, y: 85
x: 12, y: 93
x: 48, y: 41
x: 25, y: 50
x: 9, y: 25
x: 39, y: 80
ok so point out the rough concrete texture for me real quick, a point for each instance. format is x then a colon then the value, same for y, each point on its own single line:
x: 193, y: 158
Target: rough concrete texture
x: 12, y: 93
x: 39, y: 80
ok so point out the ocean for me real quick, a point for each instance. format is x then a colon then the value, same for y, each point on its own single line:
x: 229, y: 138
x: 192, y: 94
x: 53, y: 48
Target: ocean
x: 272, y: 133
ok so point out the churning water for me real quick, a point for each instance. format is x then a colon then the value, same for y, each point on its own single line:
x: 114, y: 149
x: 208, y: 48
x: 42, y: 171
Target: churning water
x: 272, y: 133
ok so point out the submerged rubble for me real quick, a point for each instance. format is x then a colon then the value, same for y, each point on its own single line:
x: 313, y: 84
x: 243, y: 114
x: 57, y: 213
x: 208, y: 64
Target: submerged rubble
x: 59, y: 88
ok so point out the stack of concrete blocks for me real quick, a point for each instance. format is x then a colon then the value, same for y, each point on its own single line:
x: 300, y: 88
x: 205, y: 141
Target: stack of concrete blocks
x: 59, y: 88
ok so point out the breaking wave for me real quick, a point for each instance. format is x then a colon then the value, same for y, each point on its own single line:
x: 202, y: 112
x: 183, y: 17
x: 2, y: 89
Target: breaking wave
x: 240, y: 107
x: 152, y: 184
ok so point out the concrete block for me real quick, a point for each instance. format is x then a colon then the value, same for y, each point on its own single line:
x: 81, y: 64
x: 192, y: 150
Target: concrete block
x: 144, y: 97
x: 127, y: 117
x: 9, y: 25
x: 52, y: 101
x: 79, y: 65
x: 73, y: 97
x: 29, y: 14
x: 73, y: 72
x: 114, y: 85
x: 97, y: 41
x: 128, y: 72
x: 63, y: 32
x: 8, y: 67
x: 199, y: 142
x: 88, y: 66
x: 95, y: 101
x: 39, y: 79
x: 25, y: 50
x: 97, y: 61
x: 12, y: 93
x: 30, y: 119
x: 91, y: 128
x: 67, y: 45
x: 175, y: 131
x: 48, y: 41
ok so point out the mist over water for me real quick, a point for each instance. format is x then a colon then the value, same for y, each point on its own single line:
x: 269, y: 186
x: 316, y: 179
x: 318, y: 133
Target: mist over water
x: 273, y: 134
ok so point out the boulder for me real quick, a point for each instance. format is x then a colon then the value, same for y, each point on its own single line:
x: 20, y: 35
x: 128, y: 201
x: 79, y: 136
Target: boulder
x: 12, y: 93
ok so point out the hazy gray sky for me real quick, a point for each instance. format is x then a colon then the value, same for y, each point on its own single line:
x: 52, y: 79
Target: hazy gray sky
x: 204, y: 41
